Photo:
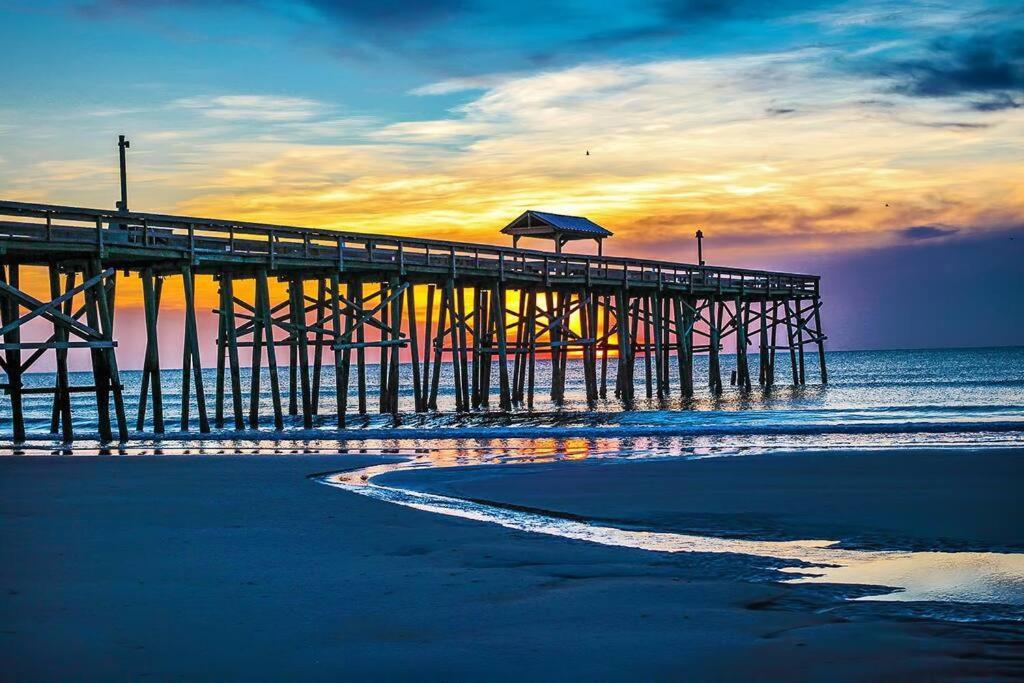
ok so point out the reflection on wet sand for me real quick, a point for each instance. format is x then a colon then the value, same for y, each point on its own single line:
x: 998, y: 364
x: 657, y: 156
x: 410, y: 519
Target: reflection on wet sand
x: 961, y: 577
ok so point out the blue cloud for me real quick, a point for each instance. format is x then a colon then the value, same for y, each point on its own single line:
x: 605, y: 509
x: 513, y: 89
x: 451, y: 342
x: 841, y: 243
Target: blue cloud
x: 987, y: 64
x: 927, y: 232
x: 390, y: 15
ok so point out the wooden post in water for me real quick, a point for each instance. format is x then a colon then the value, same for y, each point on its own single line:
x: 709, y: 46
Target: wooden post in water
x: 300, y: 343
x: 666, y: 343
x: 105, y: 309
x: 799, y: 310
x: 255, y: 370
x: 659, y: 363
x: 396, y: 337
x: 414, y: 347
x: 682, y: 346
x: 605, y: 343
x: 100, y: 370
x: 791, y: 339
x: 293, y: 351
x: 265, y: 318
x: 190, y: 358
x: 357, y: 302
x: 385, y: 319
x: 531, y: 340
x: 488, y: 346
x: 12, y: 340
x: 624, y: 376
x: 424, y: 404
x: 519, y: 357
x: 820, y: 335
x: 714, y: 342
x: 342, y: 357
x: 320, y: 327
x: 227, y: 282
x: 589, y: 341
x: 151, y: 290
x: 480, y: 320
x: 221, y: 344
x: 648, y: 385
x: 438, y: 348
x: 762, y: 353
x: 498, y: 312
x: 773, y: 345
x: 62, y: 396
x: 742, y: 340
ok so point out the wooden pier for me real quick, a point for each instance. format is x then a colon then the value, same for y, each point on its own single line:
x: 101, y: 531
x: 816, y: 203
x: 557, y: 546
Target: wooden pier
x: 490, y: 312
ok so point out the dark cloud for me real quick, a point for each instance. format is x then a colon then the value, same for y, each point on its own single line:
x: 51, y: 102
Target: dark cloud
x: 927, y: 232
x: 698, y: 11
x: 361, y: 15
x: 997, y: 103
x: 387, y: 15
x: 778, y: 111
x: 955, y: 125
x: 105, y: 9
x: 885, y: 297
x: 635, y: 34
x: 987, y: 64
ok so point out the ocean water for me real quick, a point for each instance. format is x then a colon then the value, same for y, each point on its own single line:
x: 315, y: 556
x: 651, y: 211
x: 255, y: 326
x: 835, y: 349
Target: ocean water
x: 949, y: 396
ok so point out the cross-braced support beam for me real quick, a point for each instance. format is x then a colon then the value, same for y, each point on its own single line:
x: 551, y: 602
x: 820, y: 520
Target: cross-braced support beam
x: 96, y: 334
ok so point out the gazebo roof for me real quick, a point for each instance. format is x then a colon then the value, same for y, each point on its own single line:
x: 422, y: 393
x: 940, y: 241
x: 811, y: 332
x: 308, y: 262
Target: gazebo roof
x: 542, y: 224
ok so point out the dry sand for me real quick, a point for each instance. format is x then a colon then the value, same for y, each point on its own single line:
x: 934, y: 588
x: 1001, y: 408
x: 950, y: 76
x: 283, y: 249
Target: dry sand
x: 241, y: 566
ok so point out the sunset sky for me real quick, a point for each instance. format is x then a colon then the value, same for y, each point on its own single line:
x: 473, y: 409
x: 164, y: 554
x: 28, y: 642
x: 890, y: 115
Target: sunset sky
x: 879, y: 143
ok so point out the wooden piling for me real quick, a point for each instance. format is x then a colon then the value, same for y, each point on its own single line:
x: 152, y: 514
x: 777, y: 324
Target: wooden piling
x: 531, y: 340
x: 498, y: 312
x: 791, y: 339
x: 342, y: 357
x: 427, y: 343
x: 714, y: 312
x: 105, y: 311
x: 438, y: 346
x: 266, y: 320
x: 320, y: 316
x: 357, y: 302
x: 12, y: 339
x: 62, y: 396
x: 396, y: 336
x: 459, y: 341
x: 301, y: 347
x: 605, y: 343
x: 820, y: 341
x: 227, y: 281
x: 191, y: 359
x: 799, y: 311
x: 414, y: 348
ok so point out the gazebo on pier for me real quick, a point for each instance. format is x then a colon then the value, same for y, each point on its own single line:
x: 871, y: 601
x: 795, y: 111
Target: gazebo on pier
x: 556, y: 227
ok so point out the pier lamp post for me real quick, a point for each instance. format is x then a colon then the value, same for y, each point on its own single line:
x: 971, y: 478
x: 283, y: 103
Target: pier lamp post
x: 700, y: 247
x: 122, y: 145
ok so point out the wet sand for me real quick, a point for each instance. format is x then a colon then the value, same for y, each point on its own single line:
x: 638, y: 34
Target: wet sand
x: 208, y: 567
x: 882, y: 499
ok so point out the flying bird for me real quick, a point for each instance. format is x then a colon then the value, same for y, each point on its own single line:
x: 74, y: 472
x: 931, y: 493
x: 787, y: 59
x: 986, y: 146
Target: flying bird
x: 588, y: 152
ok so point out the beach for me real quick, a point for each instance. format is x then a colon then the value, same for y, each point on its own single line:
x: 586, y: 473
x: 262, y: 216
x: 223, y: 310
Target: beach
x: 245, y: 566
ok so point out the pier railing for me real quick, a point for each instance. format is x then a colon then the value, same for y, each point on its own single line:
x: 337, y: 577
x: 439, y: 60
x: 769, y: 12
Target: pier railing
x: 199, y: 240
